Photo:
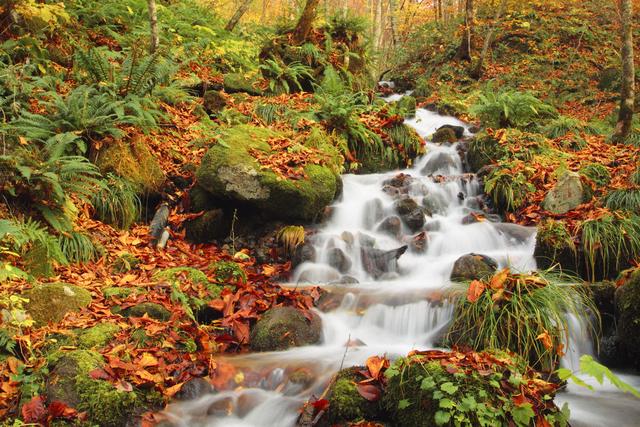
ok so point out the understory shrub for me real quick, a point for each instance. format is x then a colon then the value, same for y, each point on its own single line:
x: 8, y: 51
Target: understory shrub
x: 511, y: 109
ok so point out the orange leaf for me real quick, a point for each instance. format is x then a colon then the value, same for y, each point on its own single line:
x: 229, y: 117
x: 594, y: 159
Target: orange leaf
x: 476, y: 288
x: 498, y: 280
x: 546, y: 340
x: 375, y: 365
x: 148, y: 360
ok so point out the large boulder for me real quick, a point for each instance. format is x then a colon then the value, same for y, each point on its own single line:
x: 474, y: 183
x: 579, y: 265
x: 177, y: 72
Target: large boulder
x: 377, y: 262
x: 346, y: 404
x: 50, y: 302
x: 458, y: 130
x: 133, y: 161
x: 70, y: 382
x: 444, y: 135
x: 238, y: 83
x: 282, y: 327
x: 473, y: 267
x: 230, y: 172
x: 567, y: 194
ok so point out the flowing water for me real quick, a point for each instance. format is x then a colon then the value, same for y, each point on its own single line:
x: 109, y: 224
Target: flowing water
x: 393, y: 311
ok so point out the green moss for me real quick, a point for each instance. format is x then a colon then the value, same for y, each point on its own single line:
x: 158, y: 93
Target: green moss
x: 284, y: 327
x: 628, y: 306
x: 597, y: 173
x: 174, y: 274
x: 98, y: 336
x: 346, y: 404
x: 117, y: 292
x: 236, y: 82
x: 105, y: 405
x: 50, y: 302
x: 228, y: 171
x: 134, y: 162
x: 125, y: 262
x: 151, y: 309
x: 226, y: 271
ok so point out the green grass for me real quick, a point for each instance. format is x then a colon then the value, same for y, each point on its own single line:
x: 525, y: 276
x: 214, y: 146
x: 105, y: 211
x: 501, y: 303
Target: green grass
x: 626, y: 199
x: 597, y: 173
x: 78, y: 247
x: 610, y: 240
x: 529, y: 307
x: 117, y: 204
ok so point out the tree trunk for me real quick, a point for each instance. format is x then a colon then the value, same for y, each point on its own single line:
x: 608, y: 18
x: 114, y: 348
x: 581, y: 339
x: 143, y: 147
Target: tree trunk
x: 392, y: 23
x: 242, y: 9
x: 304, y: 25
x: 627, y: 92
x: 476, y: 73
x: 153, y: 24
x: 464, y: 51
x: 379, y: 24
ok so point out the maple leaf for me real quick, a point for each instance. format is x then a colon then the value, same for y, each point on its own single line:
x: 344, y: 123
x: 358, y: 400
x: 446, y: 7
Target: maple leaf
x: 34, y: 410
x: 476, y: 288
x: 320, y: 405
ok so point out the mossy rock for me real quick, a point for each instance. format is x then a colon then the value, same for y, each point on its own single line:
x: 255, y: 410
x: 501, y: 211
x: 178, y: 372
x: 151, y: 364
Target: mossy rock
x: 133, y: 161
x: 214, y: 102
x: 236, y: 82
x: 628, y: 307
x: 213, y: 224
x: 284, y: 327
x: 151, y: 309
x: 200, y: 200
x: 70, y: 382
x: 473, y: 267
x: 444, y: 135
x: 346, y: 405
x: 50, y: 302
x: 98, y: 336
x: 229, y: 172
x: 555, y: 247
x: 406, y: 106
x: 117, y: 292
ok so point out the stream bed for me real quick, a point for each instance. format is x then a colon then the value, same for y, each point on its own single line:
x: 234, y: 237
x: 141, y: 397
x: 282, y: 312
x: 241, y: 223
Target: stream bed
x: 396, y: 311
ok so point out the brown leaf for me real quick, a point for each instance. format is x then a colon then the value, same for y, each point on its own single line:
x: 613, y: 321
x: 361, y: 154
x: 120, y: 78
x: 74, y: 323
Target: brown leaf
x: 369, y: 392
x: 499, y: 279
x: 376, y: 365
x: 34, y: 410
x: 546, y: 340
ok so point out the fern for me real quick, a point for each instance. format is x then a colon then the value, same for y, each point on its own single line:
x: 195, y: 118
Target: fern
x: 117, y: 203
x: 267, y: 112
x: 78, y: 247
x: 511, y: 109
x: 285, y: 78
x: 21, y: 236
x: 563, y: 125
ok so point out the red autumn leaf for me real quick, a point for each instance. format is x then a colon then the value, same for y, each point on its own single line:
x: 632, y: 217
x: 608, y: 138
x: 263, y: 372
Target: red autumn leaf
x: 34, y: 410
x: 476, y: 288
x: 320, y: 405
x: 59, y: 409
x: 520, y: 399
x: 99, y: 374
x: 369, y: 392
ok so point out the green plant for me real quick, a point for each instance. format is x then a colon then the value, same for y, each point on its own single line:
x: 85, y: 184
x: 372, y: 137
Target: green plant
x: 597, y: 173
x: 562, y: 125
x: 268, y: 112
x: 524, y: 313
x: 290, y: 237
x: 46, y: 177
x: 609, y: 241
x: 20, y: 237
x: 228, y: 271
x: 510, y: 109
x: 507, y: 188
x: 599, y: 372
x: 285, y: 78
x: 78, y: 247
x: 117, y: 203
x: 624, y: 199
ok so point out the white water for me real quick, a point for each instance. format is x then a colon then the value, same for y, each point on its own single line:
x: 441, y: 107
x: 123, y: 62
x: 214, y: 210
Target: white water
x: 395, y: 313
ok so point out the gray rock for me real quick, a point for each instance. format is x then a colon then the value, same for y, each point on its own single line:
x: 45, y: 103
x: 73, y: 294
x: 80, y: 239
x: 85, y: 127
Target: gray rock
x: 345, y: 280
x: 377, y: 262
x: 414, y: 219
x: 193, y: 389
x: 405, y: 206
x: 339, y: 260
x: 391, y: 225
x: 366, y: 241
x: 318, y: 274
x: 473, y: 266
x: 348, y: 238
x: 441, y: 163
x: 514, y: 231
x: 304, y: 253
x: 434, y: 203
x: 566, y: 195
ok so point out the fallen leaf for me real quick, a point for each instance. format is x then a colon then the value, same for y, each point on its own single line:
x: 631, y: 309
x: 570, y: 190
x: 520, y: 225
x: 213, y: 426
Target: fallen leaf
x: 476, y: 288
x: 369, y: 392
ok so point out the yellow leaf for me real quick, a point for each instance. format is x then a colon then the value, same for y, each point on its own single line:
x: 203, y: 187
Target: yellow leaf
x: 498, y: 280
x: 148, y: 360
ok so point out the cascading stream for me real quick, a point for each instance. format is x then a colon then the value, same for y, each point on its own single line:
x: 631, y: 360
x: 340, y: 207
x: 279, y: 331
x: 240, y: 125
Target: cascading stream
x: 386, y: 308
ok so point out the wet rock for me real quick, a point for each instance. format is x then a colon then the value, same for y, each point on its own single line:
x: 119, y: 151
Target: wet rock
x: 399, y: 181
x: 473, y: 266
x: 318, y: 274
x: 391, y: 191
x: 151, y: 309
x: 418, y: 243
x: 458, y: 130
x: 390, y: 225
x: 603, y: 294
x: 514, y: 231
x: 474, y: 129
x: 283, y: 327
x: 435, y: 203
x: 377, y: 262
x: 439, y: 163
x: 339, y: 260
x: 414, y: 220
x: 567, y: 194
x: 346, y: 280
x: 50, y: 302
x: 366, y: 241
x: 194, y: 389
x: 471, y: 219
x: 444, y: 135
x: 348, y: 238
x: 303, y: 253
x: 373, y: 212
x: 611, y: 353
x: 405, y: 206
